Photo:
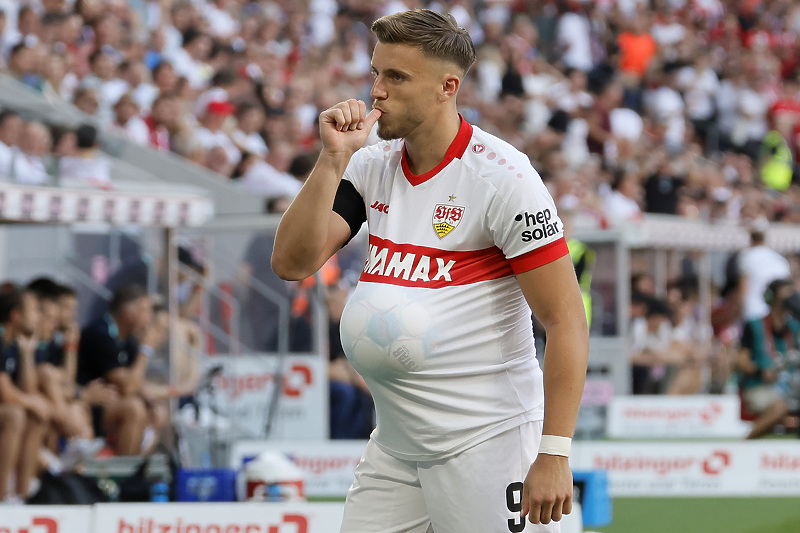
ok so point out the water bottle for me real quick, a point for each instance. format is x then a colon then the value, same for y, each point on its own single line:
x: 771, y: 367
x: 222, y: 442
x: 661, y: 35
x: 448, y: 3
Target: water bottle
x: 159, y: 491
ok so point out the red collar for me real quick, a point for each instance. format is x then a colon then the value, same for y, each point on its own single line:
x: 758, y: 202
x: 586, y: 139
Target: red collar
x: 456, y: 150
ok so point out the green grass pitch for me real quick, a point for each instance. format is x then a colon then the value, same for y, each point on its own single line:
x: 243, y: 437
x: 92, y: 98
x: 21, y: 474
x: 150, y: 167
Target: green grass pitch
x: 704, y: 515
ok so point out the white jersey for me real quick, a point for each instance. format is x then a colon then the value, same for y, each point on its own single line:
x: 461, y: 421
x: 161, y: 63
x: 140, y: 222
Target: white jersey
x: 438, y: 326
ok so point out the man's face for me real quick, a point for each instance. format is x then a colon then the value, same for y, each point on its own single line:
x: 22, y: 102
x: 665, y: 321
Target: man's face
x: 49, y: 314
x: 69, y: 310
x: 406, y: 88
x: 29, y: 317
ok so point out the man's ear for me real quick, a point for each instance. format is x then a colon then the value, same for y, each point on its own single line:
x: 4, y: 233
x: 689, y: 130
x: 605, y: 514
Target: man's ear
x: 450, y: 85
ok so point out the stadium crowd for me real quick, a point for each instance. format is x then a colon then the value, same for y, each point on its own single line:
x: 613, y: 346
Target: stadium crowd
x: 625, y: 107
x: 685, y: 107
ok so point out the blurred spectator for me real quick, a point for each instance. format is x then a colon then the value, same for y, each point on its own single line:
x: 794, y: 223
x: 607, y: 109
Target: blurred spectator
x: 650, y: 351
x: 29, y: 164
x: 691, y: 336
x: 10, y: 132
x: 622, y: 204
x: 270, y: 178
x: 189, y: 60
x: 25, y: 408
x: 247, y: 136
x: 766, y: 343
x: 85, y: 99
x: 116, y: 348
x: 89, y: 168
x: 758, y: 266
x: 22, y: 65
x: 162, y: 121
x: 211, y: 132
x: 102, y: 77
x: 128, y: 121
x: 574, y: 37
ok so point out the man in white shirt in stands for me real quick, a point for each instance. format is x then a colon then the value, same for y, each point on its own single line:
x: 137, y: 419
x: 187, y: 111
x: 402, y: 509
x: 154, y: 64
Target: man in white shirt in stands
x: 760, y: 265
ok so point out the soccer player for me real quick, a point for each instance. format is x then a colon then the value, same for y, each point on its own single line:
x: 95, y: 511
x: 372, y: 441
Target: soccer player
x: 464, y: 242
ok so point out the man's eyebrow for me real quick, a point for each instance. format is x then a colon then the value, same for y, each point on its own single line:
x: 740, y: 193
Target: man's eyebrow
x: 392, y: 71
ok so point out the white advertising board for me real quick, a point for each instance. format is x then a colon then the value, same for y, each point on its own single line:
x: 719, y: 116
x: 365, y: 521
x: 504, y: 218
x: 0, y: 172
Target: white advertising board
x: 694, y: 469
x: 244, y: 388
x: 218, y: 518
x: 45, y: 519
x: 702, y: 416
x: 327, y: 466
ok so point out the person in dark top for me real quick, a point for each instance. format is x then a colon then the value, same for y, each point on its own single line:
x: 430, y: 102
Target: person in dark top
x: 70, y: 416
x: 21, y: 407
x: 765, y: 364
x: 115, y: 348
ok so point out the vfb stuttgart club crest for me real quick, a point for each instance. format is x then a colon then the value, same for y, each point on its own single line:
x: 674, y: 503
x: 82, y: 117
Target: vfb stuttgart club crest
x: 446, y: 218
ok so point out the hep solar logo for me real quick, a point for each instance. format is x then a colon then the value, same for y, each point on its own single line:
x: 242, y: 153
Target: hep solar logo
x: 39, y: 524
x: 716, y: 462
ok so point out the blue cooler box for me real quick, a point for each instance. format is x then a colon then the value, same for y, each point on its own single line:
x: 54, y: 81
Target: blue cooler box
x: 591, y: 490
x: 206, y: 485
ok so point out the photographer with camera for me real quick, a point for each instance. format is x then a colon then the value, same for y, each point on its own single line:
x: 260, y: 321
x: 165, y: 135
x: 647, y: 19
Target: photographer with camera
x: 768, y: 361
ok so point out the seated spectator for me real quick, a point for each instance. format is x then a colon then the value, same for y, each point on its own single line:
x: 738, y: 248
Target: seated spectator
x: 10, y: 131
x: 22, y: 65
x: 622, y: 204
x: 25, y: 408
x: 85, y: 99
x: 247, y: 136
x: 765, y: 344
x: 35, y: 144
x: 212, y: 134
x: 651, y: 341
x: 89, y: 168
x: 111, y: 351
x: 128, y: 122
x: 259, y: 177
x: 70, y: 416
x: 691, y: 336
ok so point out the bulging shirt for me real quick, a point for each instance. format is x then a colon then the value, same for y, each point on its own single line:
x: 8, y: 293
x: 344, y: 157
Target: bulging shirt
x: 438, y: 325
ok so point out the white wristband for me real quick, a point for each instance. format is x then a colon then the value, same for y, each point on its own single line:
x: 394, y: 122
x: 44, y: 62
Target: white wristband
x: 555, y: 445
x: 146, y: 350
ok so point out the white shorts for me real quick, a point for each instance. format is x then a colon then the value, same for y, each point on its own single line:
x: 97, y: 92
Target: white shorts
x: 478, y: 490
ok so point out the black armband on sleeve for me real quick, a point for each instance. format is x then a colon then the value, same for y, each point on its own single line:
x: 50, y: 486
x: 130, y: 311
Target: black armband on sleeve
x: 349, y: 205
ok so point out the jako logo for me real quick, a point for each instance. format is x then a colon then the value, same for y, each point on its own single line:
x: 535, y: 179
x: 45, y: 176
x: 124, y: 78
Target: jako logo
x: 39, y: 525
x: 718, y: 462
x: 540, y: 222
x: 380, y: 208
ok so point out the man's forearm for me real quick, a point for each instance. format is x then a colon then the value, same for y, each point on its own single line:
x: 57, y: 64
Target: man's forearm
x: 302, y: 233
x: 566, y: 356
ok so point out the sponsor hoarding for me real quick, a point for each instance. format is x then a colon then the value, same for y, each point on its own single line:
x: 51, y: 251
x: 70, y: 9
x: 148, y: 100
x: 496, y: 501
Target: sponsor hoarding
x: 702, y: 416
x: 218, y: 518
x: 45, y: 519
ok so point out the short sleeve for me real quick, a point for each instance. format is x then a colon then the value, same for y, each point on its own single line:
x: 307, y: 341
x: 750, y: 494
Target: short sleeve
x: 524, y: 222
x: 98, y: 354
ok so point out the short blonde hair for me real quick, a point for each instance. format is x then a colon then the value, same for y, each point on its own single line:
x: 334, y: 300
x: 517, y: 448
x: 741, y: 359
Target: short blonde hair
x: 434, y: 34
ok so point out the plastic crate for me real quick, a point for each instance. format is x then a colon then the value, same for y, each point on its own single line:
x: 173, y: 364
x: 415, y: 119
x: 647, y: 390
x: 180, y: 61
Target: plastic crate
x: 206, y: 485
